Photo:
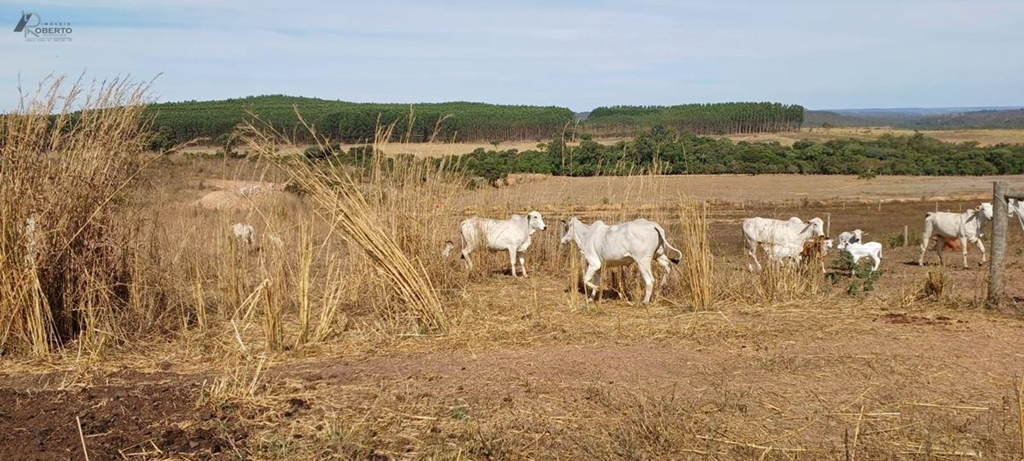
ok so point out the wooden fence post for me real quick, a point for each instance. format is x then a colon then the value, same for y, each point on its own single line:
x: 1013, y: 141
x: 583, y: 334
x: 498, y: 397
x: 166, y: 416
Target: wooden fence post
x: 828, y: 224
x: 998, y: 262
x: 906, y: 236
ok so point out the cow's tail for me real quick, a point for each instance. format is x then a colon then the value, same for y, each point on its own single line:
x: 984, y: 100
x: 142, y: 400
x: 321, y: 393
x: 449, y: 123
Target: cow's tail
x: 664, y: 241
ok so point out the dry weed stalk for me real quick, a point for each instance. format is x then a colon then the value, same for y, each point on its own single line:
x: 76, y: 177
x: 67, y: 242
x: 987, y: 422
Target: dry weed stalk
x: 385, y: 218
x: 69, y: 152
x: 699, y: 263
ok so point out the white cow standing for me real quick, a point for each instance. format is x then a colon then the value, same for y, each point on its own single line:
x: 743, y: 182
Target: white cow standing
x: 968, y: 226
x: 791, y: 233
x: 512, y: 235
x: 638, y: 241
x: 1016, y: 207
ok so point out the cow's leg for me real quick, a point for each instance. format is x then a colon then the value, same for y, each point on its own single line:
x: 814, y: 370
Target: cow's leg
x: 981, y: 246
x: 465, y: 257
x: 877, y: 259
x: 925, y: 238
x: 512, y: 260
x: 588, y: 276
x: 752, y: 252
x: 645, y: 272
x: 666, y: 267
x: 963, y: 250
x: 522, y: 263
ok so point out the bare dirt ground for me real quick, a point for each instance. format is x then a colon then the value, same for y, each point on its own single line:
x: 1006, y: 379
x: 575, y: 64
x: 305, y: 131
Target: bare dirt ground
x: 530, y: 372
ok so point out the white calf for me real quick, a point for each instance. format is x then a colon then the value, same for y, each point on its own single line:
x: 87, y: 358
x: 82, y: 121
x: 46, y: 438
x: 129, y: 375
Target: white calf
x: 871, y: 250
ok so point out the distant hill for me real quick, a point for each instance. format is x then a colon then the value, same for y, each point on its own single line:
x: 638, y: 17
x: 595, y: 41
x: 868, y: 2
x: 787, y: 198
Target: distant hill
x: 920, y: 118
x: 817, y: 118
x: 923, y: 111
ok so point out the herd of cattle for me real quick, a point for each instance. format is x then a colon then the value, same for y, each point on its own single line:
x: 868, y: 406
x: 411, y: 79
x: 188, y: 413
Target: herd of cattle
x: 640, y: 241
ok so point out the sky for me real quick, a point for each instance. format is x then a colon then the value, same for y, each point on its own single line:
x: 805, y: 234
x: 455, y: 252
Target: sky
x: 579, y: 54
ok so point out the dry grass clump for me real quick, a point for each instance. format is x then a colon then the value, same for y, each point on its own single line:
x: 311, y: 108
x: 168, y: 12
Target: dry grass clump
x: 393, y: 215
x: 67, y: 270
x: 698, y: 263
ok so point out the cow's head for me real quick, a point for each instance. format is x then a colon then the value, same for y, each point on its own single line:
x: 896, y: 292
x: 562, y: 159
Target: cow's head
x: 816, y: 226
x: 535, y: 221
x: 985, y: 209
x: 566, y: 226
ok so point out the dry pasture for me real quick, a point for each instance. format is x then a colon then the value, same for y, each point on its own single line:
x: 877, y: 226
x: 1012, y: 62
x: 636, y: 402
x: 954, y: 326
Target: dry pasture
x: 530, y: 370
x: 133, y: 324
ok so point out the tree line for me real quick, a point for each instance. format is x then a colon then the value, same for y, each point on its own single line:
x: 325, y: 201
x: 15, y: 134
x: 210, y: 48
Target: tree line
x: 664, y: 151
x: 350, y: 122
x: 702, y: 119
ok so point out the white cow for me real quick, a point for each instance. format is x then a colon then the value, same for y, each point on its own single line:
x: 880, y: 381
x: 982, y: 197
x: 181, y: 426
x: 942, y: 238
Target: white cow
x: 790, y: 233
x: 1016, y: 207
x: 638, y: 241
x: 871, y: 250
x: 512, y: 235
x: 968, y: 226
x: 855, y: 236
x: 245, y: 233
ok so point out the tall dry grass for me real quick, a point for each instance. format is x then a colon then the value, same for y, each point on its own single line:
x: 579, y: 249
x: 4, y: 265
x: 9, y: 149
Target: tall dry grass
x: 394, y: 217
x: 698, y: 262
x: 69, y: 154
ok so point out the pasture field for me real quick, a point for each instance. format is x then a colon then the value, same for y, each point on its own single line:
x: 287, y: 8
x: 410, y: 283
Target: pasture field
x: 134, y: 325
x: 782, y: 366
x: 984, y: 137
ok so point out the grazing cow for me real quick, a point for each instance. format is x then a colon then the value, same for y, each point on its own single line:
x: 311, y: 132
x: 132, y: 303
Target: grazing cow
x: 512, y: 235
x: 871, y: 250
x: 968, y: 227
x: 245, y: 233
x: 638, y: 241
x: 791, y: 233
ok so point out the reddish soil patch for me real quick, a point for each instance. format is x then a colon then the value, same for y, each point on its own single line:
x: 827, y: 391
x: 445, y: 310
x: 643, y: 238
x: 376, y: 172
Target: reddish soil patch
x: 145, y: 419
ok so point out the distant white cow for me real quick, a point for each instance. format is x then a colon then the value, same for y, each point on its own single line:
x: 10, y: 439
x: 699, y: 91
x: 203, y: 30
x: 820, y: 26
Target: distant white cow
x: 1016, y: 207
x: 638, y: 241
x: 245, y: 233
x: 871, y: 250
x: 968, y: 226
x: 512, y: 235
x: 274, y: 241
x: 31, y: 231
x: 790, y: 233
